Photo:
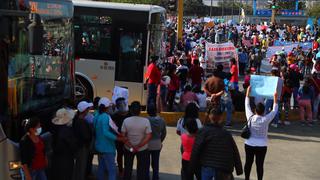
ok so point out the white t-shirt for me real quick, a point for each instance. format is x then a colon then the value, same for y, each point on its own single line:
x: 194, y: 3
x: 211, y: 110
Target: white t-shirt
x: 182, y: 129
x: 136, y: 128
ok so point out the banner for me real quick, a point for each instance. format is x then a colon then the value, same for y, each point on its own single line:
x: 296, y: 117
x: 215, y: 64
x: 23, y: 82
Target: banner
x: 288, y: 46
x: 219, y: 54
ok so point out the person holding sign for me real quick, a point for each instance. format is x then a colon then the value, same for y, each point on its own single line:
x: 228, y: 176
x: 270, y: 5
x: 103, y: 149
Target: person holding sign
x: 256, y: 145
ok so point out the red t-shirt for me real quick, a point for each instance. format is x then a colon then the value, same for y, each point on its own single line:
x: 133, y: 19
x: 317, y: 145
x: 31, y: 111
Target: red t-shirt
x: 187, y: 143
x: 39, y: 160
x: 154, y: 74
x: 174, y: 83
x: 234, y: 72
x: 196, y: 72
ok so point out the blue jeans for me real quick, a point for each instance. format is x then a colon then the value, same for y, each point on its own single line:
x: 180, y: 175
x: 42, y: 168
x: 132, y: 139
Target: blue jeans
x: 38, y: 175
x: 227, y: 106
x: 208, y: 173
x: 268, y: 108
x: 154, y: 157
x: 235, y: 85
x: 152, y: 94
x: 106, y: 161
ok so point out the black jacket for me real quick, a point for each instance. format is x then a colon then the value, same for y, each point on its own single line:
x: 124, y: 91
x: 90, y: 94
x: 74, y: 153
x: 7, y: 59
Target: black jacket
x: 214, y: 147
x: 27, y: 150
x: 82, y: 131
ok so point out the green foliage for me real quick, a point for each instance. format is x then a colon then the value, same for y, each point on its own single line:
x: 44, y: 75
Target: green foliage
x: 155, y: 2
x: 314, y: 11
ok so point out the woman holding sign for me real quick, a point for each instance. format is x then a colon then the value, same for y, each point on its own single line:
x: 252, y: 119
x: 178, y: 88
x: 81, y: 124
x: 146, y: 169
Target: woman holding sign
x: 256, y: 144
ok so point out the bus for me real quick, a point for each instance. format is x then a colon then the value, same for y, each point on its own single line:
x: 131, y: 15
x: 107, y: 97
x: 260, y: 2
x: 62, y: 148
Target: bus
x: 113, y: 42
x: 36, y: 69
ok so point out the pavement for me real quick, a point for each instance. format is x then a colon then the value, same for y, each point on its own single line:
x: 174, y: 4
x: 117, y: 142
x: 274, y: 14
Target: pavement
x: 293, y: 153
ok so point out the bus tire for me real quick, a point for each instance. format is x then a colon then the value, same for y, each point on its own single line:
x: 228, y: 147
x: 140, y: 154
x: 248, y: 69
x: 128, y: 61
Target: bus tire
x: 83, y: 89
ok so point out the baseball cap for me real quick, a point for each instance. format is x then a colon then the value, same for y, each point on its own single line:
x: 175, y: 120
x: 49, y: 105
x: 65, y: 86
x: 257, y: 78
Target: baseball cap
x: 105, y: 101
x: 83, y: 105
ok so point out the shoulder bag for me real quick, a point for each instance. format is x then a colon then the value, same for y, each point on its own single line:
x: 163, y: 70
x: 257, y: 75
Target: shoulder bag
x: 246, y: 133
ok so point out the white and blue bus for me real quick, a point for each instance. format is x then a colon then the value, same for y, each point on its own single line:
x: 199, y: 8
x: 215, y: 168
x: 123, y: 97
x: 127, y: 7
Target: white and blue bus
x: 113, y: 42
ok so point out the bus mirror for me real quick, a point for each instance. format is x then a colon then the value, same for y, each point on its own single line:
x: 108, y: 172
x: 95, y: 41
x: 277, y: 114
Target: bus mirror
x: 36, y: 35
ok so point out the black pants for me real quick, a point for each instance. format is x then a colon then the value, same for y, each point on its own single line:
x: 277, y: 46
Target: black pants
x: 154, y: 159
x: 260, y: 154
x: 242, y: 68
x: 187, y: 173
x: 143, y: 163
x: 120, y: 155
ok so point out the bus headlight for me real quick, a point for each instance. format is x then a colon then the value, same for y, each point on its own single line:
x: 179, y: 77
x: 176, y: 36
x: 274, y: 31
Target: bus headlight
x: 14, y: 165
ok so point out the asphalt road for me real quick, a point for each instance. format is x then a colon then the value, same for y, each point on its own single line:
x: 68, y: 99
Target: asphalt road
x: 293, y: 154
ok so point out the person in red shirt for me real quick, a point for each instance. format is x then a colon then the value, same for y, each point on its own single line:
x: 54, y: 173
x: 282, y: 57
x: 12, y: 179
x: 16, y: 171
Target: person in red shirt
x: 173, y: 86
x: 187, y: 141
x: 196, y: 74
x: 153, y: 77
x: 32, y: 151
x: 234, y: 74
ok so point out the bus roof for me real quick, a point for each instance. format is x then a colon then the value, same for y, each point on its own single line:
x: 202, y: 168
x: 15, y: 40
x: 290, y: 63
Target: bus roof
x: 119, y: 6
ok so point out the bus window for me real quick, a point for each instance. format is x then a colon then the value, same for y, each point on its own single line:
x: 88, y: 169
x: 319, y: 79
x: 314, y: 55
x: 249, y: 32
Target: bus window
x: 130, y: 64
x: 157, y: 41
x: 93, y: 37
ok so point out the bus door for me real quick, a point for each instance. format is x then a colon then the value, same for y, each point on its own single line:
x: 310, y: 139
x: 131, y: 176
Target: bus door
x: 94, y: 55
x: 130, y: 59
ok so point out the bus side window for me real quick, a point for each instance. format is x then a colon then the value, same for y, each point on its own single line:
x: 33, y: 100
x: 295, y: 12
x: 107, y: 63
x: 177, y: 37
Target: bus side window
x: 35, y: 35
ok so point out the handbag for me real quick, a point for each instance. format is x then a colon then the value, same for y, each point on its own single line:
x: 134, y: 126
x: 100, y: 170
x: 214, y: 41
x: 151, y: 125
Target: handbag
x: 246, y: 133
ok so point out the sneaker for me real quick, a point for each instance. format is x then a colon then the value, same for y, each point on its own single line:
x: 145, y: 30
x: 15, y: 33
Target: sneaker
x: 274, y: 125
x: 310, y: 124
x: 228, y: 125
x: 303, y: 123
x: 315, y: 120
x: 287, y: 123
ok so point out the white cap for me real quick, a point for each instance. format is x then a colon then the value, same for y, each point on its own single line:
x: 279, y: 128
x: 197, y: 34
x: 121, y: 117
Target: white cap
x: 105, y: 101
x: 83, y: 105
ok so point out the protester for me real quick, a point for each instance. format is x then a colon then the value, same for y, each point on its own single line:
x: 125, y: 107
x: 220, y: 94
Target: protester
x: 285, y: 100
x: 191, y: 111
x: 105, y: 141
x: 305, y: 97
x: 256, y: 145
x: 196, y: 74
x: 202, y: 99
x: 187, y: 97
x: 187, y: 141
x: 226, y: 102
x: 173, y: 87
x: 138, y: 132
x: 32, y: 151
x: 64, y: 145
x: 315, y: 81
x: 153, y: 76
x: 215, y: 151
x: 121, y: 114
x: 83, y: 134
x: 159, y: 132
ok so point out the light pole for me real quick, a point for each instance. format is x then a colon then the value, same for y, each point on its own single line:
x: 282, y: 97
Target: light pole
x: 211, y: 9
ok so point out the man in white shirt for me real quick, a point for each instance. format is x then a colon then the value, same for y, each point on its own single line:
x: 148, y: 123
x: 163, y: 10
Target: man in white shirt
x: 137, y: 130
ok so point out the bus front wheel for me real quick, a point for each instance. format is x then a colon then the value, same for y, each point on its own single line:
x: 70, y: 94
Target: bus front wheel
x: 83, y: 90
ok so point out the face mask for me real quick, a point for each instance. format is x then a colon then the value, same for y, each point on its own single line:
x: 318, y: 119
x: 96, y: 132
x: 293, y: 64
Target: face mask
x: 39, y: 130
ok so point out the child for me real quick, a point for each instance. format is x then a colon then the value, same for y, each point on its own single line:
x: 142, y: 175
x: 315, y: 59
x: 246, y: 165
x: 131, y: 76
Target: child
x: 285, y: 100
x: 187, y: 140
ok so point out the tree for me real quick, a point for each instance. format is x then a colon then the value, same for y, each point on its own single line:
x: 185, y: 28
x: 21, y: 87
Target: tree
x: 314, y: 11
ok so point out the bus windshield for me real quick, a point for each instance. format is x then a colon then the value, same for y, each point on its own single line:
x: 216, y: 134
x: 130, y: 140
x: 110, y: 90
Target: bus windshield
x: 37, y: 40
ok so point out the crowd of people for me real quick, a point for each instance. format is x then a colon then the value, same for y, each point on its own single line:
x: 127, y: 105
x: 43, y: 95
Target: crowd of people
x: 116, y: 133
